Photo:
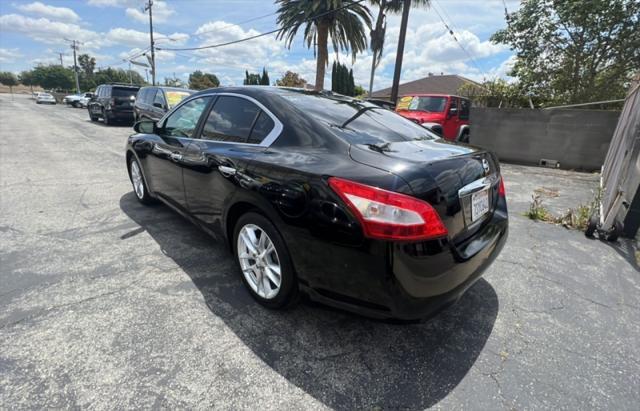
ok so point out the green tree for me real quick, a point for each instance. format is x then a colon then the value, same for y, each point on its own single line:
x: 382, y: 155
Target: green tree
x: 8, y: 79
x: 342, y: 79
x: 359, y: 91
x: 251, y: 79
x: 344, y: 21
x: 28, y: 79
x: 111, y: 75
x: 498, y: 93
x: 264, y: 80
x: 200, y: 81
x: 87, y: 64
x: 574, y: 51
x: 54, y: 77
x: 291, y: 79
x: 377, y: 33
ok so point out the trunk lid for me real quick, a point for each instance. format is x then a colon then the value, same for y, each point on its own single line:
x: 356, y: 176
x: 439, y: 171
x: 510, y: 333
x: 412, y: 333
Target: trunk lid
x: 445, y: 174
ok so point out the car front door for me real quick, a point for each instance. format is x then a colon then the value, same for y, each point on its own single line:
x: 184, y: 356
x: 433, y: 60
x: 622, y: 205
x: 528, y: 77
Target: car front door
x: 235, y: 130
x: 452, y: 121
x: 164, y: 161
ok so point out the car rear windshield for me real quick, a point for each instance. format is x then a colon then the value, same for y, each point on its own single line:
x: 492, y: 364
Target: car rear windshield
x: 123, y: 91
x: 432, y: 104
x: 359, y: 122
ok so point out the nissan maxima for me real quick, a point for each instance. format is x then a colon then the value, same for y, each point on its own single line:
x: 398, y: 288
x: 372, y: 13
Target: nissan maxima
x: 326, y: 195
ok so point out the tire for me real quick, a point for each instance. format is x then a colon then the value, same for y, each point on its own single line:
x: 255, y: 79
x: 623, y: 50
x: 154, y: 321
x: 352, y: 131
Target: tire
x: 591, y: 226
x: 137, y: 182
x: 76, y: 104
x: 105, y: 118
x: 266, y: 292
x: 615, y: 232
x: 464, y: 137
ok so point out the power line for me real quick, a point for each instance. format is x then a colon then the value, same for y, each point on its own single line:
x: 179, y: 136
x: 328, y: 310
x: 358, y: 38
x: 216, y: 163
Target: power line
x: 261, y: 34
x: 475, y: 63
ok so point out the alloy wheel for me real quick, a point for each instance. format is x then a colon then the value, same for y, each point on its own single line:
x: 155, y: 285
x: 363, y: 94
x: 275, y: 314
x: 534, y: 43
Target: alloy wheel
x: 259, y: 261
x: 136, y: 179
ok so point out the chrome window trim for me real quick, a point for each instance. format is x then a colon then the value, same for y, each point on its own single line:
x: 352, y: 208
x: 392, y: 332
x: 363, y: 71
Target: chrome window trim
x: 266, y: 141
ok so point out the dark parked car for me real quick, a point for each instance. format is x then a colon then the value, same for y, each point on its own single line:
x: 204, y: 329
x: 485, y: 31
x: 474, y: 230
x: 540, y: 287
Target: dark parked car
x: 153, y: 102
x: 348, y: 202
x: 113, y: 102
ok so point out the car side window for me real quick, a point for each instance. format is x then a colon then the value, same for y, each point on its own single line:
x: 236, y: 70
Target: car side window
x: 231, y: 119
x: 453, y: 108
x: 184, y: 121
x: 159, y: 99
x: 262, y: 127
x: 464, y: 109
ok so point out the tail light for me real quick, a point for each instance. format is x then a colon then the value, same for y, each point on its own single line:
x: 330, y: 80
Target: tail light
x: 388, y: 215
x: 501, y: 191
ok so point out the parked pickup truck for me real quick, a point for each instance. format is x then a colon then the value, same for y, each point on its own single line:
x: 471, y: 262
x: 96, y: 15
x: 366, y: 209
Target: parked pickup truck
x: 446, y: 114
x: 77, y: 100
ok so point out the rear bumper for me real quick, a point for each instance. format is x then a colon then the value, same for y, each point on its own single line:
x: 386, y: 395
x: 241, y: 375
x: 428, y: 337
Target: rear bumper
x: 121, y: 114
x: 394, y: 280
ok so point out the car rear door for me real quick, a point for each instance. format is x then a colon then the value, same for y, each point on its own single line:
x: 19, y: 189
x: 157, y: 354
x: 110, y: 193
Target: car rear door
x: 236, y: 128
x: 163, y: 164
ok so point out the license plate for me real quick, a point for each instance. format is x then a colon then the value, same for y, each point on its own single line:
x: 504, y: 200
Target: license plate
x: 479, y: 204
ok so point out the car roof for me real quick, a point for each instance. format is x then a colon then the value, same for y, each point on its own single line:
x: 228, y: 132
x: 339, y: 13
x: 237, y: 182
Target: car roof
x: 431, y: 95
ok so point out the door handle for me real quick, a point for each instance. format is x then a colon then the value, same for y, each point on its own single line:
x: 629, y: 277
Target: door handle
x: 176, y: 156
x: 227, y: 171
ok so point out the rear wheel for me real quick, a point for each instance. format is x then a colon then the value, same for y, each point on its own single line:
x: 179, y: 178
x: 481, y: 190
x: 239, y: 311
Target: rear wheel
x: 76, y: 104
x: 137, y: 181
x: 464, y: 137
x: 264, y: 261
x: 106, y: 119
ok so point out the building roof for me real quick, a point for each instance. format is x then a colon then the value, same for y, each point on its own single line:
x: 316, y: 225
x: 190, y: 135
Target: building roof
x: 433, y: 84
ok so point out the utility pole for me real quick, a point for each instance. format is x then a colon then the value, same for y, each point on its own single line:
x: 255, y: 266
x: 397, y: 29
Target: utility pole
x: 61, y: 54
x: 403, y: 32
x: 75, y: 47
x: 153, y: 52
x: 130, y: 73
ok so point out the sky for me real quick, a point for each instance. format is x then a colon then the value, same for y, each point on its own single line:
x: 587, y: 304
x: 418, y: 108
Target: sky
x: 35, y: 32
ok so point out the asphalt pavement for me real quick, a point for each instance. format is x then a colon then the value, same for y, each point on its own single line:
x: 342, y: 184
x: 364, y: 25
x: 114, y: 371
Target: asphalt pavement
x: 107, y: 304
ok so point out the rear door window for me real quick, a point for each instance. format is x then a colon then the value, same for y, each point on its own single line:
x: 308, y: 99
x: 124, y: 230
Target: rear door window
x: 464, y: 109
x: 159, y: 99
x: 231, y: 119
x: 262, y: 127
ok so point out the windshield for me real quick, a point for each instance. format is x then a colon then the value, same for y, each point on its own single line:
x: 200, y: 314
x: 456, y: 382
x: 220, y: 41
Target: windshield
x: 432, y: 104
x: 359, y: 122
x: 123, y: 92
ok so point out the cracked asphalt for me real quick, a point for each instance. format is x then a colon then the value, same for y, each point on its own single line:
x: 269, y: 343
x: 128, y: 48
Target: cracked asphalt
x: 106, y: 304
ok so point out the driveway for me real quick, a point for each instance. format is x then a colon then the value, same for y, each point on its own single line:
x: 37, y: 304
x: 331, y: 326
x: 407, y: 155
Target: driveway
x: 106, y: 304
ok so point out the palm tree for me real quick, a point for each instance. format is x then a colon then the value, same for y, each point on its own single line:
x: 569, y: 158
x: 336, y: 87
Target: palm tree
x: 343, y: 21
x: 378, y: 32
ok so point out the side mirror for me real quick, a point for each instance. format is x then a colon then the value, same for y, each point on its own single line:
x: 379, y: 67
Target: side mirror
x: 145, y: 127
x: 158, y: 105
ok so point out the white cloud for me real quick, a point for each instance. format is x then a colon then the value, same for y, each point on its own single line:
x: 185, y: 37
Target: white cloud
x: 47, y: 31
x: 57, y: 13
x: 161, y: 13
x: 9, y: 55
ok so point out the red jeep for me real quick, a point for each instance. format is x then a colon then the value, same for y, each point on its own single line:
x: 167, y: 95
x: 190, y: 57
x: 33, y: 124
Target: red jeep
x: 446, y: 114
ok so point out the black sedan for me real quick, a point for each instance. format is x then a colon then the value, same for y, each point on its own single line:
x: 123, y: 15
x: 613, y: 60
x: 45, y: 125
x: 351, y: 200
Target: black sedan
x: 317, y: 193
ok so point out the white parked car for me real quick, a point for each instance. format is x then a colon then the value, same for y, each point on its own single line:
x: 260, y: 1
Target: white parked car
x: 77, y: 100
x: 45, y: 98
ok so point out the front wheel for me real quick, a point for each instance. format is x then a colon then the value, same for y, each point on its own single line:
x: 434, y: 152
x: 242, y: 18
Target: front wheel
x: 264, y: 261
x: 106, y: 119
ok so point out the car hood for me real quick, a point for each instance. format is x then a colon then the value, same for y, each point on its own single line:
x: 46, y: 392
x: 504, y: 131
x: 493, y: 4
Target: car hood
x: 421, y: 116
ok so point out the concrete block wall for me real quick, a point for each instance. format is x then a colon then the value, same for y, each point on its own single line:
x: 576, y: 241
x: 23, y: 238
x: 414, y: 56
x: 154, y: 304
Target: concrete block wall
x: 577, y: 139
